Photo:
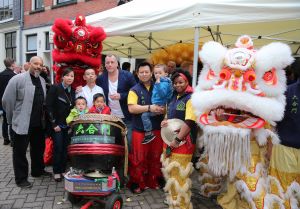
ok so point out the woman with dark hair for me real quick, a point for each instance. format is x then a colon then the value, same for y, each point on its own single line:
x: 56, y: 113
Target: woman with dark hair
x: 60, y: 100
x: 177, y: 155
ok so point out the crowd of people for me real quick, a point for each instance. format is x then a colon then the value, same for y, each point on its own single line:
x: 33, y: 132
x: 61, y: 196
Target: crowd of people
x: 32, y: 110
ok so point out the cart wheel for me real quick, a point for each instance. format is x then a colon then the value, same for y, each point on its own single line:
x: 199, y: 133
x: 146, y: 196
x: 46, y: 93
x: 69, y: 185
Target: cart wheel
x: 115, y: 201
x: 74, y: 199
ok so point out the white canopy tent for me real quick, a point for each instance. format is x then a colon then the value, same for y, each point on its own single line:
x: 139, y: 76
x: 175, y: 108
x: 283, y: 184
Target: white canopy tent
x: 139, y: 27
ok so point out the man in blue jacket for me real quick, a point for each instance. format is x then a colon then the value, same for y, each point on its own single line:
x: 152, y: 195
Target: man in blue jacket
x: 116, y: 85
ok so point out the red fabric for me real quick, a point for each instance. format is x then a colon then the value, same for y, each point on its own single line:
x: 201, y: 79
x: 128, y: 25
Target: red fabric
x: 144, y: 159
x: 110, y: 181
x: 189, y: 89
x: 105, y: 110
x: 186, y: 148
x: 48, y: 154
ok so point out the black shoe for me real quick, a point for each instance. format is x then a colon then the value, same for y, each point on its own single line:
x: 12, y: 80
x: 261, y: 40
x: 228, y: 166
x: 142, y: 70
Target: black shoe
x: 6, y: 142
x: 25, y: 184
x: 57, y: 177
x: 148, y: 138
x: 43, y: 174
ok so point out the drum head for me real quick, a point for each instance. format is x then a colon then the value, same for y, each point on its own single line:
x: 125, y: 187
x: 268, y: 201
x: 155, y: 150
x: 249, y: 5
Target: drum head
x: 95, y: 175
x: 170, y: 132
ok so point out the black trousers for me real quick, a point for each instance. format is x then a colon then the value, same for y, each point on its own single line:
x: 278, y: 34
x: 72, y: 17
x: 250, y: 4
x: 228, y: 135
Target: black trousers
x: 5, y: 127
x: 36, y: 139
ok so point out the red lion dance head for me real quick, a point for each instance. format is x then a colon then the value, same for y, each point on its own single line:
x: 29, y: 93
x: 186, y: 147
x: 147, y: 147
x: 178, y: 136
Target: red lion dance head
x: 77, y: 45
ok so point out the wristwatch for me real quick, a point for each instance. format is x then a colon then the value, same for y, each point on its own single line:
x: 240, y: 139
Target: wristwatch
x: 149, y: 108
x: 178, y: 140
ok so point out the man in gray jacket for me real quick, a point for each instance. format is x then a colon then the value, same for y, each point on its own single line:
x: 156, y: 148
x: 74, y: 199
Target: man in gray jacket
x: 23, y: 102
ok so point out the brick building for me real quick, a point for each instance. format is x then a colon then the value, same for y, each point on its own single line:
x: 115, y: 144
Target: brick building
x: 39, y: 16
x: 10, y: 15
x: 25, y: 24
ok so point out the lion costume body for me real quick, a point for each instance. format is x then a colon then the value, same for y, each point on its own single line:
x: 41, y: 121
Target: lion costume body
x: 239, y: 97
x: 77, y: 45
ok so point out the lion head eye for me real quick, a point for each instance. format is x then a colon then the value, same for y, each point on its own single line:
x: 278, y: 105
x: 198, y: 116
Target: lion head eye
x: 95, y: 46
x: 249, y: 75
x: 60, y: 38
x: 225, y: 74
x: 270, y: 77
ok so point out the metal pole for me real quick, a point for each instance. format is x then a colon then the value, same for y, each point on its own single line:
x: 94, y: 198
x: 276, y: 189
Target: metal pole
x: 196, y: 48
x: 51, y: 65
x: 21, y: 22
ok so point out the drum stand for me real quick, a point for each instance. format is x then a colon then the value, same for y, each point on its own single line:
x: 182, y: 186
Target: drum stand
x: 97, y: 187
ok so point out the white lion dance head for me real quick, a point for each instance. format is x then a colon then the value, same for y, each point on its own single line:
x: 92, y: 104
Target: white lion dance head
x: 248, y: 87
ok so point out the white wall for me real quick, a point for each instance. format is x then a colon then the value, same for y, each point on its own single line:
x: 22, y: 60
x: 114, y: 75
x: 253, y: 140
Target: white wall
x: 41, y: 43
x: 2, y: 51
x: 7, y: 28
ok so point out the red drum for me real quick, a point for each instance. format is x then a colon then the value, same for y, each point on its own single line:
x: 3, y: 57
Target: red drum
x: 98, y: 143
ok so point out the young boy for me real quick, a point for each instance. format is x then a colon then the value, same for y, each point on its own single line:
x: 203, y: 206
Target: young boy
x: 161, y: 94
x: 90, y: 89
x: 99, y: 105
x: 80, y: 108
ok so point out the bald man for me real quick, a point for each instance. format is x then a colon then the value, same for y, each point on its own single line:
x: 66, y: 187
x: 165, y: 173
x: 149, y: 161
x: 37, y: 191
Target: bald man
x: 171, y: 67
x: 23, y: 101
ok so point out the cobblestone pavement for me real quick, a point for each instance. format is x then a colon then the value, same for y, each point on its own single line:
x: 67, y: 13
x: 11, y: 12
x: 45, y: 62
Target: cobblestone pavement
x: 47, y: 194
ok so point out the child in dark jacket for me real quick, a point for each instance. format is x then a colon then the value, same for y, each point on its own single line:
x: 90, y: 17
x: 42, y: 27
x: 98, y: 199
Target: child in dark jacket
x: 99, y: 105
x: 161, y: 94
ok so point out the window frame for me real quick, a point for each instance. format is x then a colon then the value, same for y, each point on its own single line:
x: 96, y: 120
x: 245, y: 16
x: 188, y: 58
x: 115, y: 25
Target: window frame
x: 64, y: 2
x: 31, y: 35
x: 6, y: 11
x: 11, y: 46
x: 47, y: 42
x: 35, y: 3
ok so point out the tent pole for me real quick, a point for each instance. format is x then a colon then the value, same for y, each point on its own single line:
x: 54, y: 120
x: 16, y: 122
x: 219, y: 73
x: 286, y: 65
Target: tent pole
x: 196, y: 49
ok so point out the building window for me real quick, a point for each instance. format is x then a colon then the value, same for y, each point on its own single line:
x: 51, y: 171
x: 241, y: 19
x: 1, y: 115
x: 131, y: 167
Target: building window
x: 31, y: 46
x: 38, y: 4
x: 6, y: 9
x: 63, y: 1
x: 10, y: 45
x: 31, y: 43
x: 47, y: 43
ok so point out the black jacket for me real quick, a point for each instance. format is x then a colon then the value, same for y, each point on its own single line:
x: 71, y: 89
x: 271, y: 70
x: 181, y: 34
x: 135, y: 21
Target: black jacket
x: 58, y: 104
x: 5, y: 76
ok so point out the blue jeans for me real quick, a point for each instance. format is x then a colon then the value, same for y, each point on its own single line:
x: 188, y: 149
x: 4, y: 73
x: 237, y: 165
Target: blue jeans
x: 60, y: 141
x: 128, y: 124
x: 146, y: 121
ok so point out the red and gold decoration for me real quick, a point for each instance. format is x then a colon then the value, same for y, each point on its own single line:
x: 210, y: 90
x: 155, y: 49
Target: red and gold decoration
x: 238, y: 100
x: 77, y: 45
x: 177, y: 167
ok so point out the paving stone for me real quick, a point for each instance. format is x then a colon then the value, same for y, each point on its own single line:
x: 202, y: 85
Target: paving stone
x: 15, y: 190
x: 18, y: 196
x: 33, y: 204
x: 42, y: 193
x: 6, y: 206
x: 18, y: 203
x: 48, y: 204
x: 31, y: 198
x: 4, y: 195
